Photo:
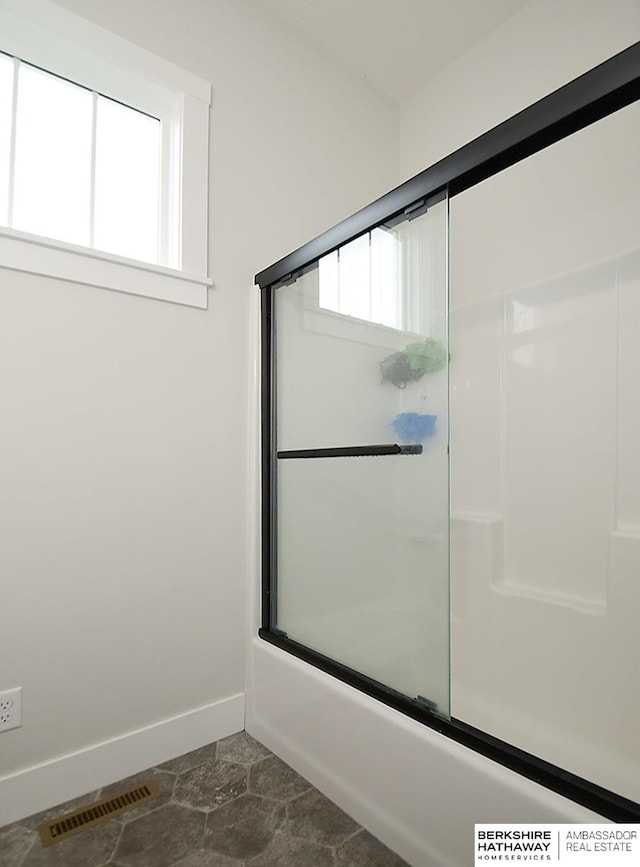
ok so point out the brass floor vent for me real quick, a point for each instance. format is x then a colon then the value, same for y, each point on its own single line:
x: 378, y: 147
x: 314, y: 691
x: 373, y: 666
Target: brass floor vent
x: 72, y: 823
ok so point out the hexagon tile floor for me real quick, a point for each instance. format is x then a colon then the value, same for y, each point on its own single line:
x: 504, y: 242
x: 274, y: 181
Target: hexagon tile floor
x: 230, y: 804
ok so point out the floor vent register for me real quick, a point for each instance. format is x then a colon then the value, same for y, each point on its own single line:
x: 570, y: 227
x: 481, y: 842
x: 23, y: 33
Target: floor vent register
x: 93, y: 814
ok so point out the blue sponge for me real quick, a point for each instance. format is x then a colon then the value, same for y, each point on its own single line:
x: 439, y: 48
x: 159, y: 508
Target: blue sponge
x: 413, y: 427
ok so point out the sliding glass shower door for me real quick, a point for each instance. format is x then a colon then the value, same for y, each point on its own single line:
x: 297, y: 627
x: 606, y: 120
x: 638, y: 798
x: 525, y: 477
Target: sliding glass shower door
x: 361, y: 547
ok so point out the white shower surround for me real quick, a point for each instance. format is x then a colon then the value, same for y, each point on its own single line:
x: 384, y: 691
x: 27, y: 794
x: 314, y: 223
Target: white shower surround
x: 545, y: 589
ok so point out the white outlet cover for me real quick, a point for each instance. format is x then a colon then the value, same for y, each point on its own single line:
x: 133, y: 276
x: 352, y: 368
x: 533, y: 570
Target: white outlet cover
x: 10, y: 709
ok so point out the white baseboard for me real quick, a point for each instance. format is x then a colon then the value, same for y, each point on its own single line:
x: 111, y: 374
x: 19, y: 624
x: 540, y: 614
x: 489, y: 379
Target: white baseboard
x: 42, y: 786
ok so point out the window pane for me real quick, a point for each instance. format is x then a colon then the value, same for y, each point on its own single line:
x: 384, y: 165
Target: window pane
x: 6, y: 102
x: 355, y: 278
x: 329, y: 282
x: 362, y: 279
x: 53, y: 157
x: 386, y: 297
x: 127, y: 181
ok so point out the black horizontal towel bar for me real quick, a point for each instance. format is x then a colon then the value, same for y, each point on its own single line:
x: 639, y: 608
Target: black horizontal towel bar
x: 352, y: 451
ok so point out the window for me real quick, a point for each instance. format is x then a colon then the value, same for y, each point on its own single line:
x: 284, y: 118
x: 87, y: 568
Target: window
x: 388, y: 276
x: 73, y: 158
x: 103, y: 158
x: 363, y: 279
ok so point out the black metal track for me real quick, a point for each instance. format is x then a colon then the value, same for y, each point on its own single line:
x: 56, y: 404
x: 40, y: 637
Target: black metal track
x: 594, y: 95
x: 351, y: 451
x: 594, y: 797
x: 268, y: 432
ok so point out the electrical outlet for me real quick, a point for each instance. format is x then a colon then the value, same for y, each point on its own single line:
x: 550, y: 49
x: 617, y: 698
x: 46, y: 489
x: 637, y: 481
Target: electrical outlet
x: 10, y: 709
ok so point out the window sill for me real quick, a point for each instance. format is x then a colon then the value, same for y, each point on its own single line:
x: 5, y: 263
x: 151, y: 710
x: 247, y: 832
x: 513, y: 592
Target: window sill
x: 33, y: 254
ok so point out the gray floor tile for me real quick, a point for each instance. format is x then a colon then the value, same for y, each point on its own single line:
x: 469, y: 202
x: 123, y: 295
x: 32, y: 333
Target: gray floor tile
x: 161, y: 838
x: 230, y: 804
x: 15, y: 842
x: 191, y: 760
x: 90, y: 848
x: 243, y: 828
x: 207, y: 858
x: 211, y: 785
x: 285, y: 851
x: 316, y: 818
x: 272, y: 778
x: 364, y: 850
x: 241, y: 748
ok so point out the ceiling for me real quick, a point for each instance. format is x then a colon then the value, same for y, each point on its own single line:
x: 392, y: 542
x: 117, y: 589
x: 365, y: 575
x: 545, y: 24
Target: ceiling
x: 396, y: 45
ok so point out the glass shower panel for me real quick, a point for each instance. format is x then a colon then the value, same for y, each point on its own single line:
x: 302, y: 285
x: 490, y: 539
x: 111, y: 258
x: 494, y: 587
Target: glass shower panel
x: 545, y: 468
x: 361, y: 340
x: 362, y: 541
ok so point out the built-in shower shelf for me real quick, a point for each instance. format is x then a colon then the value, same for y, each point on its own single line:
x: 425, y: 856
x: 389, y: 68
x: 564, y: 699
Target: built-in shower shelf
x: 352, y: 451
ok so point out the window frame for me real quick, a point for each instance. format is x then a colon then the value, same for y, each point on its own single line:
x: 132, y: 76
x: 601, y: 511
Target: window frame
x: 46, y: 36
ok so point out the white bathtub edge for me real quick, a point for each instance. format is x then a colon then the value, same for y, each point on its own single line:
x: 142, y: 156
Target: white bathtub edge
x: 415, y: 789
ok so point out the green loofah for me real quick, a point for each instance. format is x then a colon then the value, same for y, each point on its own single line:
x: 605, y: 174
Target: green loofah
x: 427, y: 357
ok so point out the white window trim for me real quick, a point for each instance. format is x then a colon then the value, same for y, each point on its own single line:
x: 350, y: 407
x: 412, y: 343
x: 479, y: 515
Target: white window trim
x: 33, y: 254
x: 61, y: 42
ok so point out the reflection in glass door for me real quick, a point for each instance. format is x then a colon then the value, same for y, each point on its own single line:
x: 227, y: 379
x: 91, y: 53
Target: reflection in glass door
x: 362, y: 474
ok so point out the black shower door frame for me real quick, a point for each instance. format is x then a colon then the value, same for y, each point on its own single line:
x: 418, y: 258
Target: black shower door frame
x: 598, y: 93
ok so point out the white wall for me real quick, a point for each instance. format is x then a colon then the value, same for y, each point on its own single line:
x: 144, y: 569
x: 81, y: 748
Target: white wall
x: 124, y: 476
x: 537, y: 50
x: 425, y: 800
